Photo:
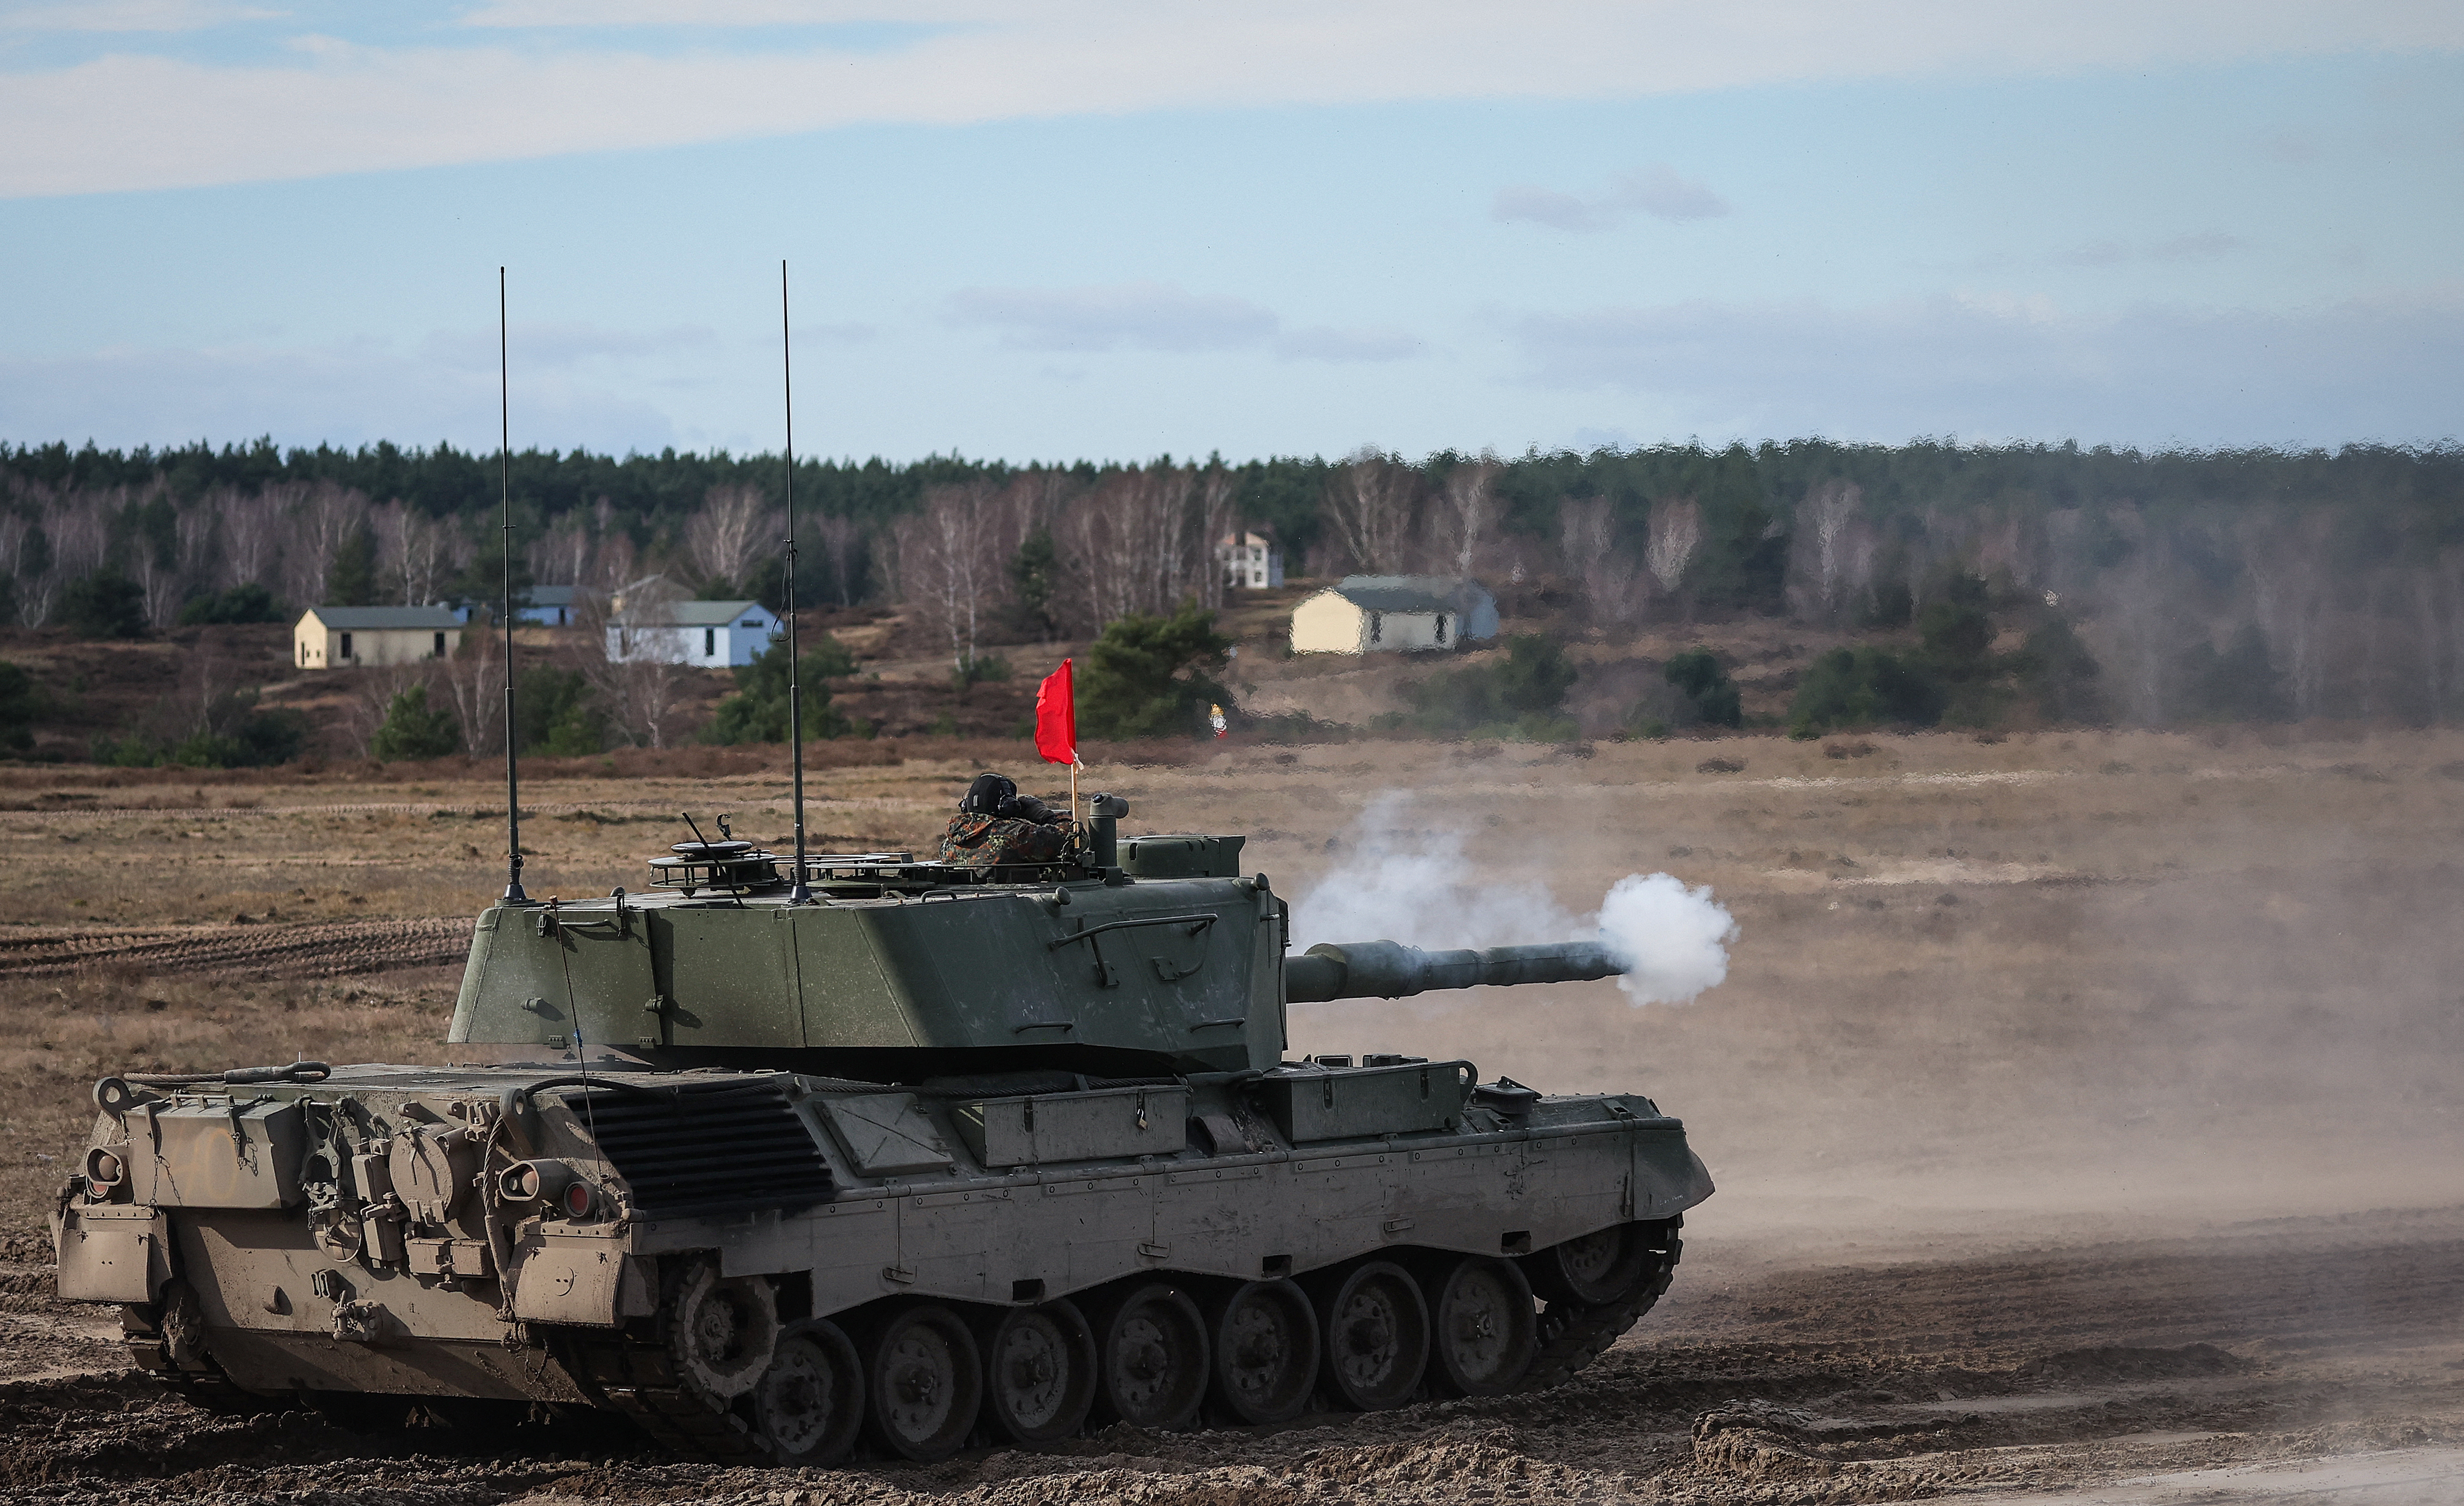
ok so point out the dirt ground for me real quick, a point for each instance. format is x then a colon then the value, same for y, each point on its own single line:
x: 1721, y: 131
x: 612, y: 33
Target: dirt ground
x: 2083, y: 1105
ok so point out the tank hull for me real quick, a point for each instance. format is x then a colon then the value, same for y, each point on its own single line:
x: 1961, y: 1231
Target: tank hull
x: 896, y: 1197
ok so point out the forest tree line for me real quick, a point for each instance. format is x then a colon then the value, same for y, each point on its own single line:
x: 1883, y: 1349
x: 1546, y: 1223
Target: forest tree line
x: 2242, y: 583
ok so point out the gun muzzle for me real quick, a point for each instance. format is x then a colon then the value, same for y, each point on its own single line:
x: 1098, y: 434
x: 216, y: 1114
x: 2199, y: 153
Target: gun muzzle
x: 1389, y: 969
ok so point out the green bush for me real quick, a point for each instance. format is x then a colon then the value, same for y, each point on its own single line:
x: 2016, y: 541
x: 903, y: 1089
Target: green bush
x: 250, y: 603
x: 22, y: 703
x: 104, y: 604
x: 1518, y: 696
x: 1148, y: 676
x: 2055, y: 669
x: 414, y: 730
x: 1856, y: 688
x: 235, y: 735
x: 2240, y: 685
x: 557, y: 714
x: 1698, y: 677
x: 758, y: 711
x: 982, y: 669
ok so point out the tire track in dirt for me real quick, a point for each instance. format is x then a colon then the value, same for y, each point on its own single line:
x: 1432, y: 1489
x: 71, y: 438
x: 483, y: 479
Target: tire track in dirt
x: 320, y: 950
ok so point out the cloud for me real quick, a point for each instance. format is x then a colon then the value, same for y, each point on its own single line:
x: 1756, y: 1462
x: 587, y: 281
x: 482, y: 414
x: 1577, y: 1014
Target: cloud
x: 1161, y: 317
x: 130, y: 15
x: 1319, y: 342
x: 2016, y: 366
x: 545, y: 345
x: 349, y: 393
x: 2205, y: 246
x: 119, y: 121
x: 1133, y: 315
x: 1658, y: 190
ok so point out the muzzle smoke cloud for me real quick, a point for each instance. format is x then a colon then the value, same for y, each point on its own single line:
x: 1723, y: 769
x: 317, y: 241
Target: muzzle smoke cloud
x: 1397, y: 884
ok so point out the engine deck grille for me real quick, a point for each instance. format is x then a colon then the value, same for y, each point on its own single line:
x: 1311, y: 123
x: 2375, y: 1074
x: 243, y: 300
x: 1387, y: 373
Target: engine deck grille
x: 708, y: 1151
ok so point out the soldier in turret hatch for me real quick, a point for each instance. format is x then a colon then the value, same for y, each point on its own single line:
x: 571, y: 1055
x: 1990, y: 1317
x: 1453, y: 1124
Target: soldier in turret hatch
x: 996, y: 826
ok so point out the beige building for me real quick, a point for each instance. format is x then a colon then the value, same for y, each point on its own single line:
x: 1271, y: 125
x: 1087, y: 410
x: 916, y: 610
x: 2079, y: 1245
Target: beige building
x: 330, y: 637
x: 1374, y: 614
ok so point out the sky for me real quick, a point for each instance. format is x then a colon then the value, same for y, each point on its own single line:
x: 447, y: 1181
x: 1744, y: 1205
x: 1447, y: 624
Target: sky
x: 1053, y: 229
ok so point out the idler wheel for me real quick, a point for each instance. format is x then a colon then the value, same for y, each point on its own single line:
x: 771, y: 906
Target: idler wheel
x: 1153, y: 1342
x: 1595, y: 1269
x: 923, y: 1383
x: 809, y: 1403
x: 1484, y: 1334
x: 1038, y: 1373
x: 1376, y: 1336
x: 1265, y: 1347
x: 722, y: 1330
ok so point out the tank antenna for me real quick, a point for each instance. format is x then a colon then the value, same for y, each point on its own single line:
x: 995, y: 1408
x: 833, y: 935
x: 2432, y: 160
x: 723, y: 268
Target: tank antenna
x: 798, y: 892
x: 513, y: 894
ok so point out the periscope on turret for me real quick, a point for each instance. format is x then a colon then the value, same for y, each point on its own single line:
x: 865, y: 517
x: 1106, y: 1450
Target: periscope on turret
x: 992, y: 1145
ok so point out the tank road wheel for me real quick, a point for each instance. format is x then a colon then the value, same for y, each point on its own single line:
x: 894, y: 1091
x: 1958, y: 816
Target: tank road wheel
x: 1038, y: 1373
x: 1484, y: 1332
x: 1600, y: 1269
x: 1153, y: 1364
x: 722, y: 1330
x: 1265, y: 1351
x: 809, y: 1404
x: 923, y: 1383
x: 1376, y: 1336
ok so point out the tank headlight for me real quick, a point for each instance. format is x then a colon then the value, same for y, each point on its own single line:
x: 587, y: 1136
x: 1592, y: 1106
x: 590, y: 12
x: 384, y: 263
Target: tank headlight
x: 577, y: 1199
x: 104, y: 1167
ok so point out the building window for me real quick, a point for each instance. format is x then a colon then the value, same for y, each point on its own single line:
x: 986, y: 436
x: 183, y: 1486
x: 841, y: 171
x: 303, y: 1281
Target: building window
x: 1441, y: 629
x: 1376, y: 628
x: 346, y: 645
x: 708, y: 641
x: 440, y: 646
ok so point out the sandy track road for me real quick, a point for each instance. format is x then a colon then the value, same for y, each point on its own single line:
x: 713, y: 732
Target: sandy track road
x: 316, y: 950
x: 2318, y: 1361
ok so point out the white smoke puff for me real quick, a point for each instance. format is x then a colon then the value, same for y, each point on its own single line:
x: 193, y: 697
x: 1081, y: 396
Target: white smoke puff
x: 1672, y: 939
x: 1419, y: 888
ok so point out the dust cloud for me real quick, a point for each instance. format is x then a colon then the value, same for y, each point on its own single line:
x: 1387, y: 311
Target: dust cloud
x: 1418, y: 886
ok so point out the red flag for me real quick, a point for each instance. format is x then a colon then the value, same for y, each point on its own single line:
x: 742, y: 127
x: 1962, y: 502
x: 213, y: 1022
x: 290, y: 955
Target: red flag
x: 1056, y: 717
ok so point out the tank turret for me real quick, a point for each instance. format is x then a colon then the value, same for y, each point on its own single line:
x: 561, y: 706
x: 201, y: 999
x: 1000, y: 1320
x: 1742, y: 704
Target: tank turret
x: 1127, y: 957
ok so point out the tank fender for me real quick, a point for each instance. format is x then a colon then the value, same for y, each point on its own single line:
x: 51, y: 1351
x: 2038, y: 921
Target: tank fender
x: 112, y: 1252
x: 1668, y: 1177
x: 586, y: 1283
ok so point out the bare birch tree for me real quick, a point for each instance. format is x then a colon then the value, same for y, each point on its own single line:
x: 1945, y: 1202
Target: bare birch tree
x: 251, y: 527
x: 1825, y: 522
x: 643, y: 698
x: 1129, y: 545
x: 416, y: 551
x: 1470, y: 509
x: 1216, y: 489
x: 323, y: 518
x: 474, y: 680
x: 1613, y: 586
x: 561, y: 554
x: 1370, y: 502
x: 728, y: 536
x: 950, y: 563
x: 1675, y: 533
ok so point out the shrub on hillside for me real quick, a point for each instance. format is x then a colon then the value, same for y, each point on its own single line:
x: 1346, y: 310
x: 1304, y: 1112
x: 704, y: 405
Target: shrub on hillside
x: 1861, y: 687
x: 758, y: 711
x: 250, y: 603
x: 414, y: 730
x: 1149, y: 676
x: 1519, y: 696
x: 104, y: 604
x: 1705, y: 686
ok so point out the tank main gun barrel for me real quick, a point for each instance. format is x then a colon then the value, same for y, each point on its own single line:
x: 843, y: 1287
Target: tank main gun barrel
x: 1363, y: 969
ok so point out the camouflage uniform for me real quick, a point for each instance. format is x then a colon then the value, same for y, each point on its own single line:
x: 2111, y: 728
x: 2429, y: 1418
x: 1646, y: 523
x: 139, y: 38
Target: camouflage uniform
x: 984, y: 842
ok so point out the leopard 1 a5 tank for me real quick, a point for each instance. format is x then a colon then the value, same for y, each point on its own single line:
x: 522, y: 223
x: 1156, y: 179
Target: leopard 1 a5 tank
x: 779, y: 1163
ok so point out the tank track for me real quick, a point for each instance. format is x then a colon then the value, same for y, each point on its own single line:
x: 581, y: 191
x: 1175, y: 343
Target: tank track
x: 1571, y: 1337
x: 641, y: 1382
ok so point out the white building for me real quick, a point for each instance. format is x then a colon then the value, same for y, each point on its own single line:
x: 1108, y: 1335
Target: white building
x: 1249, y: 561
x: 330, y: 637
x: 1374, y: 614
x: 714, y: 635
